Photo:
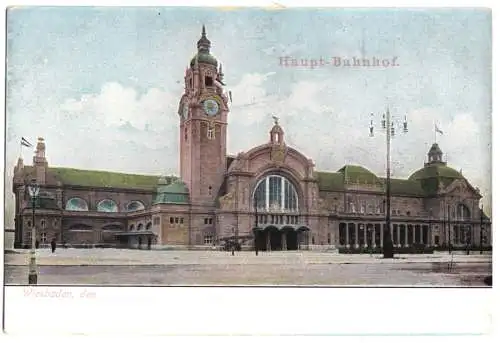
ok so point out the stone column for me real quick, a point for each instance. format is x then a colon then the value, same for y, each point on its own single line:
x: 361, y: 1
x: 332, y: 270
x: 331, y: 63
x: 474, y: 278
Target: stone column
x: 283, y: 241
x: 373, y: 235
x: 421, y: 234
x: 406, y: 235
x: 381, y: 235
x: 398, y: 236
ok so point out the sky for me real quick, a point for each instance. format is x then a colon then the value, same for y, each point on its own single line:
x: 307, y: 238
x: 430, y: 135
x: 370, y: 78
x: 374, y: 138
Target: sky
x: 102, y: 85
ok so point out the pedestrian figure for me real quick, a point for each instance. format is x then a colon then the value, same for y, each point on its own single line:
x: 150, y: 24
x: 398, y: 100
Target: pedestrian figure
x: 37, y: 244
x: 232, y: 249
x: 53, y: 245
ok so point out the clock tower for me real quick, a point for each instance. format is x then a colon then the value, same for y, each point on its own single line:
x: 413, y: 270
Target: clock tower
x: 203, y: 110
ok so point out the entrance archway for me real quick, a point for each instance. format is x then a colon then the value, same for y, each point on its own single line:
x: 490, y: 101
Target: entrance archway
x: 303, y: 238
x: 273, y: 238
x: 289, y: 235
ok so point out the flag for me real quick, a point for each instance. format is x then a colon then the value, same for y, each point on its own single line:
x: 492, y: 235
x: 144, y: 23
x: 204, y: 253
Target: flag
x: 438, y: 130
x: 25, y: 142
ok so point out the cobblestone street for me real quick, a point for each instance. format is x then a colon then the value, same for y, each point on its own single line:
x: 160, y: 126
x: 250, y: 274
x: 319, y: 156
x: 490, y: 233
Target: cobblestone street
x: 136, y: 267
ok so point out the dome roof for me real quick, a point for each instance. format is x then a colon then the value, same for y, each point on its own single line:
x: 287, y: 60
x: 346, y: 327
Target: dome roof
x: 204, y: 57
x: 435, y: 170
x: 358, y: 174
x: 173, y: 193
x: 434, y: 175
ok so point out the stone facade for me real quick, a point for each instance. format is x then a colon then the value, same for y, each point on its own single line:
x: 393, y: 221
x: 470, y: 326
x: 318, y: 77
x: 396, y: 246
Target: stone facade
x: 270, y: 196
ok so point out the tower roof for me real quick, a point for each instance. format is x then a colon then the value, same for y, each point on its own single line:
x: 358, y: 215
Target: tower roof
x: 203, y: 55
x: 435, y: 149
x: 173, y: 193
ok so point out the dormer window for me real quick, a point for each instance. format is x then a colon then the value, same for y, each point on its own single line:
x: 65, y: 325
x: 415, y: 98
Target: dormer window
x: 209, y: 81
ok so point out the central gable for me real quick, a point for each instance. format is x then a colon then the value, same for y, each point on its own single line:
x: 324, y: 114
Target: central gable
x: 269, y: 155
x: 460, y: 188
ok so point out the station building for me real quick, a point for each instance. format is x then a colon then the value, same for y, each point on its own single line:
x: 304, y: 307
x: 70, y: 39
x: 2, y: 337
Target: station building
x: 270, y: 195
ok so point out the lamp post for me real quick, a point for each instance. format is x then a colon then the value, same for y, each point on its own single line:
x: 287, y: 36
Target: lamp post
x: 390, y: 132
x: 32, y: 275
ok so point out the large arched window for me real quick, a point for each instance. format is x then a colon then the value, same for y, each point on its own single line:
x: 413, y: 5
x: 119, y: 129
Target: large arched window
x: 463, y: 212
x: 276, y: 193
x: 76, y: 204
x: 107, y: 205
x: 135, y: 206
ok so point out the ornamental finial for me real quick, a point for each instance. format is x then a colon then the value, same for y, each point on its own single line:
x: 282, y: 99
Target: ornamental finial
x: 276, y: 119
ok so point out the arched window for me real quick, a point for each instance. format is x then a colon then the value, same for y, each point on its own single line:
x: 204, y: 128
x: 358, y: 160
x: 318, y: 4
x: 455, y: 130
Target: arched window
x: 276, y: 193
x: 76, y: 204
x: 139, y: 227
x: 135, y: 206
x: 463, y: 212
x: 148, y: 226
x: 131, y: 227
x: 107, y: 205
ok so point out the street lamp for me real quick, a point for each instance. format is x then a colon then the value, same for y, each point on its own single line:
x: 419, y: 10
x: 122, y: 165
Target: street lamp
x: 34, y: 189
x: 390, y: 132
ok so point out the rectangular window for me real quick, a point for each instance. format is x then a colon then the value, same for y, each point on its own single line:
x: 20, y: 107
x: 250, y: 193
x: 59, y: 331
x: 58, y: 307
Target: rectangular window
x: 43, y: 237
x: 210, y: 133
x: 171, y: 220
x: 205, y: 221
x: 182, y: 220
x: 177, y: 220
x: 208, y: 239
x: 329, y: 238
x: 42, y: 223
x: 281, y: 219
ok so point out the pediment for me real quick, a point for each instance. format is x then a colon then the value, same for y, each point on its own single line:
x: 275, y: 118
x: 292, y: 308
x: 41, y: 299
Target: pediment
x: 461, y: 188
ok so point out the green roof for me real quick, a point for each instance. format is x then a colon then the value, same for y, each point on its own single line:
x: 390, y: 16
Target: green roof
x: 436, y: 169
x: 405, y: 187
x: 95, y: 178
x: 204, y: 57
x: 328, y: 181
x: 358, y: 174
x: 173, y: 193
x: 434, y: 174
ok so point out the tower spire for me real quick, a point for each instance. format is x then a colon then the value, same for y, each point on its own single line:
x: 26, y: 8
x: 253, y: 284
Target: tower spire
x: 203, y: 44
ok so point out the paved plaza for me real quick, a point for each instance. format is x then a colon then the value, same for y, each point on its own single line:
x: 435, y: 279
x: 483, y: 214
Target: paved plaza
x: 308, y: 268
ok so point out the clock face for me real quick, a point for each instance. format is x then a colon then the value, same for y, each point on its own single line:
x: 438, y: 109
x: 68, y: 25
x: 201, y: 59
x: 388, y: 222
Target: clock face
x: 211, y: 107
x: 185, y: 111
